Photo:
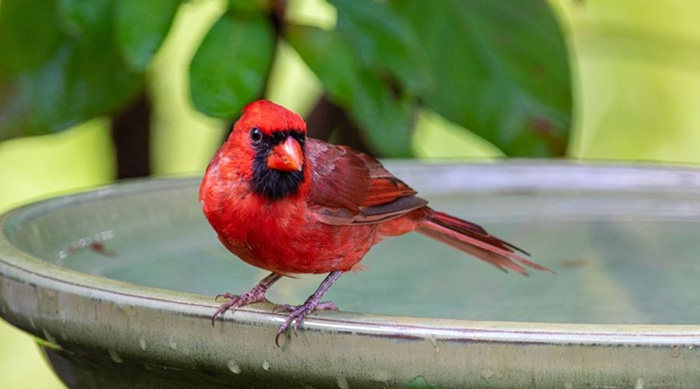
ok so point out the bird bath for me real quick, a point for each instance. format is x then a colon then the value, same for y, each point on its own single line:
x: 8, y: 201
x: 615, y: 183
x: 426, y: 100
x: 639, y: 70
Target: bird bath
x: 119, y: 284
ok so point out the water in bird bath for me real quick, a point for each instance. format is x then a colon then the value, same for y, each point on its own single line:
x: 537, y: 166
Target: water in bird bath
x: 619, y: 259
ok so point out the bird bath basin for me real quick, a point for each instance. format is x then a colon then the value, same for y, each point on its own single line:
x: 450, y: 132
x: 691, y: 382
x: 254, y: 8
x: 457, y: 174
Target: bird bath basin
x: 119, y: 284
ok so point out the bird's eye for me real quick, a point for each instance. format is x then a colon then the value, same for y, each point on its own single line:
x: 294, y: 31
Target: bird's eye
x: 256, y: 135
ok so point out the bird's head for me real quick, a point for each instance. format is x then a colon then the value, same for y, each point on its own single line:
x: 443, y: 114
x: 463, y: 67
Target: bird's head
x: 268, y: 144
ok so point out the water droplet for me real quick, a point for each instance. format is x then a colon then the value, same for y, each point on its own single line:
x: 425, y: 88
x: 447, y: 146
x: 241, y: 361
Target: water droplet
x: 676, y: 352
x: 63, y: 318
x: 49, y: 337
x: 172, y: 344
x: 115, y: 357
x: 233, y: 366
x: 266, y: 365
x: 433, y: 341
x: 639, y: 384
x: 142, y: 343
x: 342, y: 383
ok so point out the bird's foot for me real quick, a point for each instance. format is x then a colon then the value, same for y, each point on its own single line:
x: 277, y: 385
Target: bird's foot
x: 238, y: 300
x: 299, y: 313
x: 322, y: 306
x: 255, y: 295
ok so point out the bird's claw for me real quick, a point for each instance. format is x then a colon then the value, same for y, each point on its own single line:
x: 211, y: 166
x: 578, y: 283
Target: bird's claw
x: 225, y: 295
x: 236, y: 301
x: 297, y: 314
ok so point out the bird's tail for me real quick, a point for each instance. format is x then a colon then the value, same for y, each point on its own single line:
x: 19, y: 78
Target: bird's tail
x: 473, y: 239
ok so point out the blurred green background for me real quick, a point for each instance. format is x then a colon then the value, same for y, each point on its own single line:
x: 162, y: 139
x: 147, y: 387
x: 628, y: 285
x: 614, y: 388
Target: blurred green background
x: 635, y: 77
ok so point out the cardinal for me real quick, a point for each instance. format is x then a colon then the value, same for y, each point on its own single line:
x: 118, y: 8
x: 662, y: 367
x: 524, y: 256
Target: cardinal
x: 291, y: 204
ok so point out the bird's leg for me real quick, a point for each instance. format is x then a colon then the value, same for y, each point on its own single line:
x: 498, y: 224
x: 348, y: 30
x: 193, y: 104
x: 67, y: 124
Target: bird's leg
x: 255, y: 295
x: 299, y: 312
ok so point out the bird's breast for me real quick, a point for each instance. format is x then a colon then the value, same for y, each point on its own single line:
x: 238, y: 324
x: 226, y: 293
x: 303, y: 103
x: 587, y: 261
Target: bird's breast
x: 286, y: 238
x: 280, y: 235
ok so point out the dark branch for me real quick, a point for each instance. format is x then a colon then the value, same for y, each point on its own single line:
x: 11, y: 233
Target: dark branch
x: 131, y: 134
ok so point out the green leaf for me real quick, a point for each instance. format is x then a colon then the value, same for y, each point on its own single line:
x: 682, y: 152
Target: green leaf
x: 83, y: 19
x: 384, y: 41
x: 26, y: 24
x: 141, y: 27
x: 230, y: 66
x: 329, y: 57
x: 386, y: 119
x: 500, y: 69
x: 419, y: 382
x: 250, y: 5
x: 81, y: 78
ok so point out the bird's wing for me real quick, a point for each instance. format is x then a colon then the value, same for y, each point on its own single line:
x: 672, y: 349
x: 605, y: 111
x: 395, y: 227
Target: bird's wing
x: 349, y: 187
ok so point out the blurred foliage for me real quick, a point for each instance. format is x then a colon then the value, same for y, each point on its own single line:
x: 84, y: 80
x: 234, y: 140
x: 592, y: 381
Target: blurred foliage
x: 499, y: 69
x: 73, y: 72
x: 638, y: 67
x: 230, y: 66
x: 141, y: 27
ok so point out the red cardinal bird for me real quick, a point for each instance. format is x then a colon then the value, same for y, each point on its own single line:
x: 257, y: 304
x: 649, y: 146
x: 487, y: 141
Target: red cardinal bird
x: 291, y: 204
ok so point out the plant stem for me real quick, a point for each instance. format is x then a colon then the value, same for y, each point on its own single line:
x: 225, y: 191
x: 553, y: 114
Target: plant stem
x: 131, y: 135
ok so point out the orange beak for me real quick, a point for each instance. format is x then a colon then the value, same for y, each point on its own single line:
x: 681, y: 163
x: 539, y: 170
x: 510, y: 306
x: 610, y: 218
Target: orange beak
x: 286, y: 156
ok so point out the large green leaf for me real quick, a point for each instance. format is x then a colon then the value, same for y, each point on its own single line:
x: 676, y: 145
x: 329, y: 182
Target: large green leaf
x: 329, y: 57
x: 81, y: 78
x: 83, y: 19
x: 383, y: 40
x: 230, y: 66
x: 385, y: 119
x: 141, y: 27
x: 500, y: 69
x: 255, y: 6
x: 23, y: 25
